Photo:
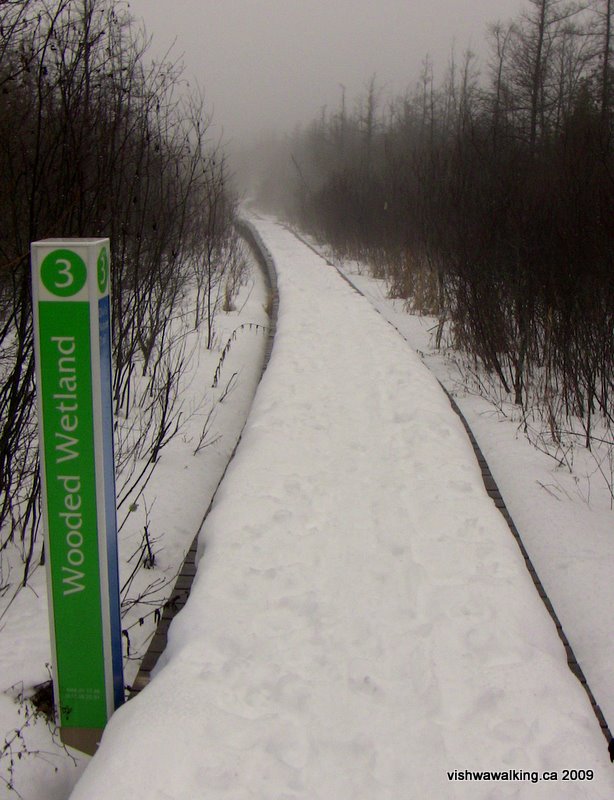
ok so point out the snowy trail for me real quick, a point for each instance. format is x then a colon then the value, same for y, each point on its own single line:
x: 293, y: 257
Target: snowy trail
x: 362, y: 622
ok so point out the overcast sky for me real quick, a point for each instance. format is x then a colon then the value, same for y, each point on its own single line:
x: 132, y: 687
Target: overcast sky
x: 270, y: 64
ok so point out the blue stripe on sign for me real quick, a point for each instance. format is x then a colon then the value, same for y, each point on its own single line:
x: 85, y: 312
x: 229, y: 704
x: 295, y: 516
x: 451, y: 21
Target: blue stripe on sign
x: 104, y: 318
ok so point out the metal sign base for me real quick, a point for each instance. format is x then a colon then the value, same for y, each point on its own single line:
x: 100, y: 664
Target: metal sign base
x: 86, y: 740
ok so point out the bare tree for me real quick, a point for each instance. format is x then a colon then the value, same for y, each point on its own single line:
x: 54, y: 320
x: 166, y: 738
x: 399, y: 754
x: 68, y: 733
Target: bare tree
x: 107, y: 146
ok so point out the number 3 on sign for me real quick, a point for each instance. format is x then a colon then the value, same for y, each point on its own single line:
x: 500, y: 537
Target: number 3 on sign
x: 63, y: 273
x: 103, y: 270
x: 66, y: 272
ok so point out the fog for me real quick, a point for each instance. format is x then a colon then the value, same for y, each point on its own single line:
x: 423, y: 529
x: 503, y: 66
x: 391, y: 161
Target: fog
x: 268, y: 65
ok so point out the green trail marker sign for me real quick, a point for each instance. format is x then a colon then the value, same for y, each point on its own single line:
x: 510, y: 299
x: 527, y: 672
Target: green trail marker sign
x: 72, y: 328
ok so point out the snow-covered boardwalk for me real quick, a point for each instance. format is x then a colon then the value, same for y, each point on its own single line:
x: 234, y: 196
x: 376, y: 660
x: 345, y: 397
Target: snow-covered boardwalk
x: 362, y: 624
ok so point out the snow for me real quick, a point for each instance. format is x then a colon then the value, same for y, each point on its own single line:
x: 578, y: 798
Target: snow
x: 172, y: 504
x: 564, y: 516
x: 362, y: 622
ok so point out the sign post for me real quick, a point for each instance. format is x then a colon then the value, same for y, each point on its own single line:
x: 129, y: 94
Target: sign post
x: 72, y: 334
